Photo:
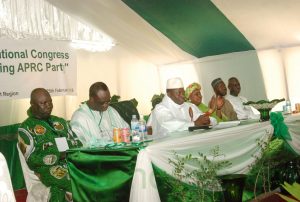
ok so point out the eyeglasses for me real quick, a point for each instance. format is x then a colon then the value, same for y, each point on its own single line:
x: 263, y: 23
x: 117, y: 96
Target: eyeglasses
x: 104, y: 103
x: 101, y: 102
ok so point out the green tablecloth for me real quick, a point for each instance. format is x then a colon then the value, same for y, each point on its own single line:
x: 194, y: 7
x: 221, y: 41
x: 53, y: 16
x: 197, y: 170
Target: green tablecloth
x: 102, y: 174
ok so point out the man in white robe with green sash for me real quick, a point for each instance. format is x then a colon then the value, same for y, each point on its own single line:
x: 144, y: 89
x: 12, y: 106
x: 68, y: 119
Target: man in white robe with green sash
x: 95, y: 120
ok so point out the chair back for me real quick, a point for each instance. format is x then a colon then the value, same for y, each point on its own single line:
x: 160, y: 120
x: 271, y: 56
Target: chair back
x: 37, y: 191
x: 126, y: 109
x: 6, y: 190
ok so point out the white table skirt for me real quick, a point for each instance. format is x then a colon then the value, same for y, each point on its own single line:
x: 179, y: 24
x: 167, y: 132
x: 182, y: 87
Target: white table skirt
x: 238, y: 144
x: 293, y: 124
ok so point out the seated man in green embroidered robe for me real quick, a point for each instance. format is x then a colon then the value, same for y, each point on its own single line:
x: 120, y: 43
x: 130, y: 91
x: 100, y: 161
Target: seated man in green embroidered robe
x: 38, y: 138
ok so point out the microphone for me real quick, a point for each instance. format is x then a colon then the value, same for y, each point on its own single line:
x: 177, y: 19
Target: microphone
x: 192, y: 128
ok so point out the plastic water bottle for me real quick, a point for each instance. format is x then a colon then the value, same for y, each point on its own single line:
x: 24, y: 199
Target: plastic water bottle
x: 143, y: 128
x: 135, y: 129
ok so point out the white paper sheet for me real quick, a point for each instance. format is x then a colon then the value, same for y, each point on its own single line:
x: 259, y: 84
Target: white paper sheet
x: 227, y: 124
x: 62, y: 144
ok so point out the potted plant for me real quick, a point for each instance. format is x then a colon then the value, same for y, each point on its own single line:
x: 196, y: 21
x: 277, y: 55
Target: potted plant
x: 200, y: 184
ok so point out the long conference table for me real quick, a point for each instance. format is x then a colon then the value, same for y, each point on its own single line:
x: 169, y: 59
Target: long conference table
x: 126, y: 173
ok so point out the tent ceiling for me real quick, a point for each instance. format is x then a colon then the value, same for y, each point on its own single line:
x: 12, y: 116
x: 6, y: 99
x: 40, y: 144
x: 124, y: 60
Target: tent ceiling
x: 265, y: 23
x: 129, y: 30
x: 198, y: 27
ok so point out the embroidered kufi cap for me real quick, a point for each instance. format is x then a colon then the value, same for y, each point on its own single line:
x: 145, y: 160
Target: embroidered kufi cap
x: 174, y: 83
x: 215, y: 82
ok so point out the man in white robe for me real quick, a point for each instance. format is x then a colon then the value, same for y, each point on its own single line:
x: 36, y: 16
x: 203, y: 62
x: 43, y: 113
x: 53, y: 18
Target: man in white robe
x: 243, y: 112
x: 95, y: 120
x: 174, y: 114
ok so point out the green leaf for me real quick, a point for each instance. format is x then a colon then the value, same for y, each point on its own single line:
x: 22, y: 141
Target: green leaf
x: 288, y: 199
x: 294, y: 189
x: 297, y: 185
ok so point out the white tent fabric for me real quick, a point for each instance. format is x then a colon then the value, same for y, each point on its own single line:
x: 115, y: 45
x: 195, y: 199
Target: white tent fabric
x: 267, y: 24
x: 126, y: 27
x: 37, y: 19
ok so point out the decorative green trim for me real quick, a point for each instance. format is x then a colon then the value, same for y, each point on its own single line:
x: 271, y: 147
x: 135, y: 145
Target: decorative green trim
x: 280, y: 129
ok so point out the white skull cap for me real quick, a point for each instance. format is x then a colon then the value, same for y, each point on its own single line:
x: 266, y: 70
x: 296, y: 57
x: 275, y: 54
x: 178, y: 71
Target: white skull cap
x: 174, y: 83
